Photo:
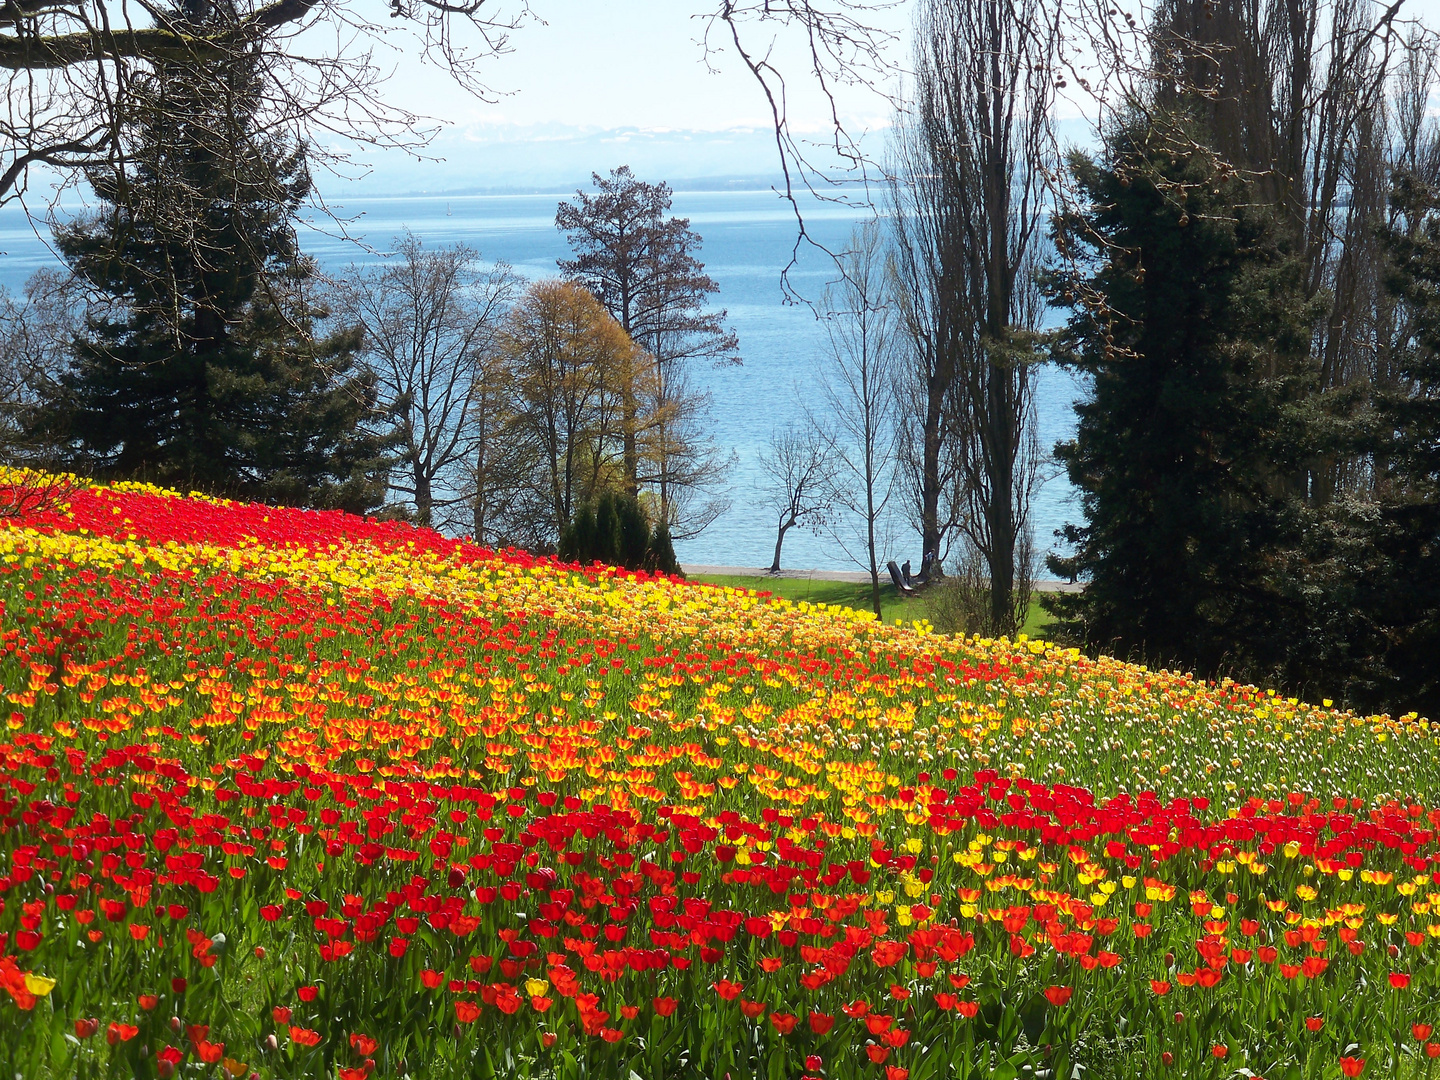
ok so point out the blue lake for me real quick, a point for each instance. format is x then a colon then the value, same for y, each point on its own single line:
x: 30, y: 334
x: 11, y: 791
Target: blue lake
x: 748, y: 238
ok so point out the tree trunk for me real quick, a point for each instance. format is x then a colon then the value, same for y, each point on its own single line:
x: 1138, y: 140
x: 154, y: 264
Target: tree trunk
x: 870, y: 513
x: 779, y: 539
x: 631, y: 411
x: 424, y: 500
x: 1001, y: 509
x: 874, y: 564
x: 930, y: 469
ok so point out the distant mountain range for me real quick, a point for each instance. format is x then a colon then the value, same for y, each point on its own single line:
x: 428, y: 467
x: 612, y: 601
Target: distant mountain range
x: 503, y: 160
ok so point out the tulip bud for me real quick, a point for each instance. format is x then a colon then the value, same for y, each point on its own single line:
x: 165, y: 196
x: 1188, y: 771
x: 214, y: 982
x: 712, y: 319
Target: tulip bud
x: 1167, y: 1058
x: 165, y: 1069
x: 260, y: 952
x: 1394, y: 950
x: 270, y: 1043
x: 1179, y: 1018
x: 174, y: 1023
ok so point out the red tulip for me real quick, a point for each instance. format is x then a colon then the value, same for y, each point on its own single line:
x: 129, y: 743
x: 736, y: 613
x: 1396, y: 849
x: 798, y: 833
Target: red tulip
x: 784, y: 1023
x: 363, y: 1045
x: 727, y: 990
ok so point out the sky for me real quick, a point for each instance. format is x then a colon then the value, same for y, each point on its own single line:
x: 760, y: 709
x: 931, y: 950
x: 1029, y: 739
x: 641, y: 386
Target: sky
x: 591, y: 85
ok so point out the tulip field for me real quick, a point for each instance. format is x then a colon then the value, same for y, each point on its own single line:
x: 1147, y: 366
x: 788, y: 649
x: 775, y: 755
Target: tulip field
x: 296, y: 794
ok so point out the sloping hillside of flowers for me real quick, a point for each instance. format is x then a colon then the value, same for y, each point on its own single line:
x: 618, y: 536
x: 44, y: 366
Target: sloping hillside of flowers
x: 296, y: 794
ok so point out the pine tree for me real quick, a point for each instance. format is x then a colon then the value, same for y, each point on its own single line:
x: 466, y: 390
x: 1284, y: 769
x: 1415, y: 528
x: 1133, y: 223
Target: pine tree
x: 643, y: 265
x: 1188, y: 319
x: 201, y: 369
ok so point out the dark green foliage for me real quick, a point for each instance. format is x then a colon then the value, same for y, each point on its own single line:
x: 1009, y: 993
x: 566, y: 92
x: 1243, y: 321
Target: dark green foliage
x: 579, y: 541
x: 202, y: 369
x: 1406, y: 528
x: 608, y: 546
x: 662, y: 551
x: 633, y: 532
x: 1188, y: 318
x: 614, y: 530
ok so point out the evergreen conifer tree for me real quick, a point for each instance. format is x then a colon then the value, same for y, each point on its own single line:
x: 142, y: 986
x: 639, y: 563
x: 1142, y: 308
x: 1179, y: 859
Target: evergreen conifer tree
x: 1406, y: 533
x: 199, y: 365
x: 1188, y: 320
x: 615, y: 530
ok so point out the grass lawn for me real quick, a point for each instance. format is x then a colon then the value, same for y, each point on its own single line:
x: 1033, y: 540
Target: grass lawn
x: 893, y: 606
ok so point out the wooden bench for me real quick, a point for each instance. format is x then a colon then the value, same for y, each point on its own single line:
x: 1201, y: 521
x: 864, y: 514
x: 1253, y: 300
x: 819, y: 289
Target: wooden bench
x: 899, y: 579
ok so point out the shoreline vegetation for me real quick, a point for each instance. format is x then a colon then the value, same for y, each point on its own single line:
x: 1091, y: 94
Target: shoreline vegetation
x: 851, y: 591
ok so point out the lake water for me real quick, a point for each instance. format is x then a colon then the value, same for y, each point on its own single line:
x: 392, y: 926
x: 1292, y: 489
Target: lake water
x: 748, y: 237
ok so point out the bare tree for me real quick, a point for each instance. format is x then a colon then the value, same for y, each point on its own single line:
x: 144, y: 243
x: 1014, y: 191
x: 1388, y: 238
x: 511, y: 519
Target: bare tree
x: 800, y: 467
x: 973, y: 154
x: 73, y: 68
x: 36, y: 331
x: 681, y: 467
x: 507, y: 506
x: 858, y: 387
x: 844, y: 47
x: 431, y: 319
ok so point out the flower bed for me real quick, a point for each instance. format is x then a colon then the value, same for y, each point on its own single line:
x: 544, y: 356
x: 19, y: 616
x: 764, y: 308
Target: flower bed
x: 297, y: 794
